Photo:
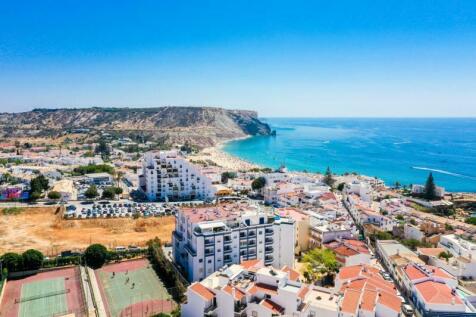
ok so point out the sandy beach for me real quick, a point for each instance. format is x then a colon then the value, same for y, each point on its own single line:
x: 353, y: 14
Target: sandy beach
x: 217, y: 155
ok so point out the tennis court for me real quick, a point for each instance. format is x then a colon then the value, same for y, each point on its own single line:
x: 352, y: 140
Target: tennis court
x: 46, y: 294
x: 133, y: 289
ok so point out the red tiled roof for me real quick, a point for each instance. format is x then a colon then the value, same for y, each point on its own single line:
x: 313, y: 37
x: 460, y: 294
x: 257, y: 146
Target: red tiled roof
x: 350, y: 301
x: 437, y: 293
x: 272, y: 306
x: 238, y: 293
x: 202, y: 291
x: 264, y: 288
x: 251, y: 264
x: 293, y: 275
x: 302, y: 293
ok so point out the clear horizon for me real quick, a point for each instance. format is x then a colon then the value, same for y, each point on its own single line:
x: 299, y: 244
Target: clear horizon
x: 340, y: 59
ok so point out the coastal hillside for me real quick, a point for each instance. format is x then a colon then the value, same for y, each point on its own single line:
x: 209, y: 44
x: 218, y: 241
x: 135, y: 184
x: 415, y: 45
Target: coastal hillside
x: 203, y: 126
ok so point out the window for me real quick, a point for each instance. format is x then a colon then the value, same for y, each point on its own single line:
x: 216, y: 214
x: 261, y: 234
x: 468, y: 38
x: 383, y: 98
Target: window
x: 200, y: 260
x: 209, y: 261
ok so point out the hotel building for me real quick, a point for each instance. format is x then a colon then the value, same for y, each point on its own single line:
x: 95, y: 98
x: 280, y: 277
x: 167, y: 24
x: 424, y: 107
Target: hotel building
x: 208, y: 238
x: 170, y: 177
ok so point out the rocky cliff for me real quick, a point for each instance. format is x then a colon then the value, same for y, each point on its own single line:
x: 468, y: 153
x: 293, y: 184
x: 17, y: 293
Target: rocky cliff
x: 202, y: 126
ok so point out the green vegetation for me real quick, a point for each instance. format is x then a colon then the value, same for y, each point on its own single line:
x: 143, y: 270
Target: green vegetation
x: 328, y: 177
x: 340, y: 187
x: 430, y: 188
x: 471, y: 220
x: 165, y: 270
x: 111, y: 192
x: 320, y: 264
x: 54, y: 195
x: 413, y: 244
x: 32, y: 259
x: 445, y: 255
x: 103, y: 149
x: 225, y: 176
x: 400, y: 217
x: 258, y: 183
x: 93, y: 168
x: 13, y: 262
x: 91, y: 192
x: 381, y: 235
x: 37, y: 186
x: 95, y: 256
x: 12, y: 210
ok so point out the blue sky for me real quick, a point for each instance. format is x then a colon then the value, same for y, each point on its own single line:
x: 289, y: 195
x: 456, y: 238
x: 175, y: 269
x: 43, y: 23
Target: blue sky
x: 281, y: 58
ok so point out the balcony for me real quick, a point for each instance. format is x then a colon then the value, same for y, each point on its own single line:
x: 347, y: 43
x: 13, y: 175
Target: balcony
x: 178, y: 235
x: 209, y: 252
x: 209, y: 242
x: 242, y: 235
x: 269, y: 232
x: 227, y: 250
x: 268, y: 241
x: 227, y: 240
x: 227, y: 260
x: 268, y: 250
x: 251, y: 234
x: 251, y: 243
x: 268, y: 259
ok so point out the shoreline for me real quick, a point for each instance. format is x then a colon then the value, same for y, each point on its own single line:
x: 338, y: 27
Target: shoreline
x: 225, y: 160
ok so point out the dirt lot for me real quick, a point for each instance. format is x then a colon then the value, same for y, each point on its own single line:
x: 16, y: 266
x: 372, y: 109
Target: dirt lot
x: 44, y: 229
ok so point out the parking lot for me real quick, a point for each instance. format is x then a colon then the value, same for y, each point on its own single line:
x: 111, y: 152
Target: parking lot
x: 107, y: 209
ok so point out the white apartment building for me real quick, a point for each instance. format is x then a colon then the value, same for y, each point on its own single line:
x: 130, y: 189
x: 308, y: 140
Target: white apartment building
x: 420, y: 189
x: 362, y: 189
x: 458, y: 246
x: 207, y: 238
x: 169, y: 176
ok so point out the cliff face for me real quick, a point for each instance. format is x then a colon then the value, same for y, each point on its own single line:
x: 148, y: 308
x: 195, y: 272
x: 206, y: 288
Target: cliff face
x: 203, y: 126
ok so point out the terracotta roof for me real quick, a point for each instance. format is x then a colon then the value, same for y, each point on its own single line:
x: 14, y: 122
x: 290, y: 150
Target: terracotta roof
x: 413, y: 272
x: 302, y: 293
x: 272, y: 306
x: 365, y: 287
x: 264, y: 288
x: 430, y: 251
x: 251, y: 264
x: 350, y: 302
x: 238, y: 293
x: 437, y: 293
x: 202, y: 291
x: 389, y: 300
x: 293, y: 275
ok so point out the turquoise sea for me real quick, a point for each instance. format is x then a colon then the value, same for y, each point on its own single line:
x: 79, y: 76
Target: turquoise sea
x: 403, y: 150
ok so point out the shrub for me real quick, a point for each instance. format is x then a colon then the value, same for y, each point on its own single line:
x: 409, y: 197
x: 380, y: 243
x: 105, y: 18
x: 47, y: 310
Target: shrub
x: 13, y: 262
x: 95, y: 256
x: 54, y: 195
x: 32, y: 259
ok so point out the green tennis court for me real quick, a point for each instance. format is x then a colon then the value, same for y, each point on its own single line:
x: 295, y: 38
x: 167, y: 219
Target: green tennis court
x: 120, y: 293
x: 43, y: 298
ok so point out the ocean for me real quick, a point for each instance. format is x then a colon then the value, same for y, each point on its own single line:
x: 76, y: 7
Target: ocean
x: 403, y: 150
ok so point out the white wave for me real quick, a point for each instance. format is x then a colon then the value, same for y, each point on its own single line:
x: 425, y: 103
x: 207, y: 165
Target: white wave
x: 403, y: 142
x: 442, y: 172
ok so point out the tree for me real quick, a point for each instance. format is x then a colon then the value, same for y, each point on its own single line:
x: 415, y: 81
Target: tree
x: 340, y: 187
x: 95, y: 256
x: 91, y: 192
x: 12, y: 261
x: 103, y: 149
x: 430, y: 188
x: 32, y: 259
x: 54, y: 195
x: 471, y: 220
x: 328, y: 178
x: 109, y: 193
x: 38, y: 185
x: 225, y: 176
x: 445, y: 255
x: 258, y: 183
x: 320, y: 263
